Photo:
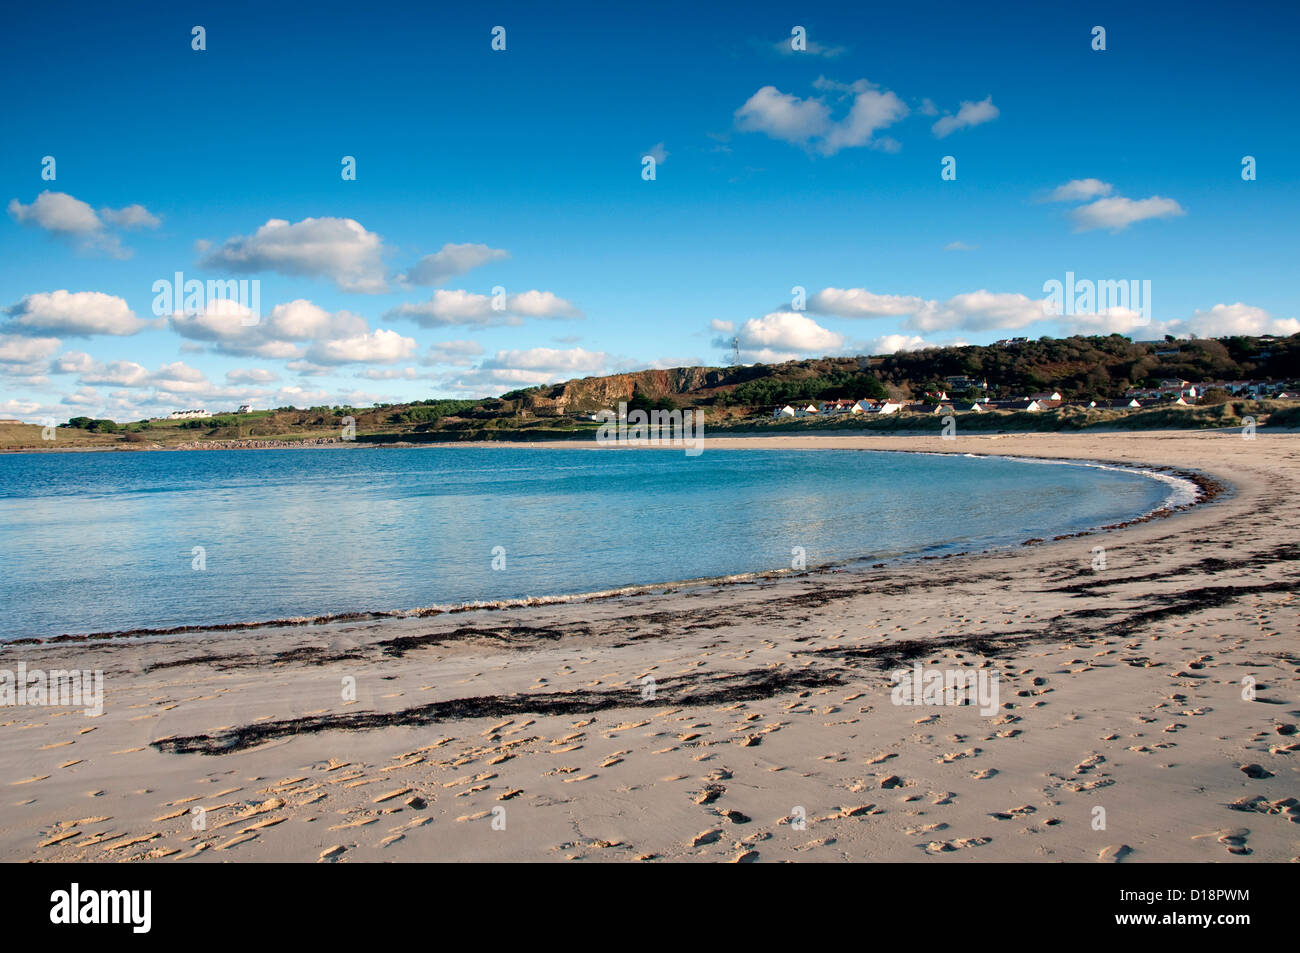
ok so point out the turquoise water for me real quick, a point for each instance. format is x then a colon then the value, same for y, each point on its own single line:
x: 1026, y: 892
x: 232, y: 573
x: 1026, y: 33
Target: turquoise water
x: 95, y: 542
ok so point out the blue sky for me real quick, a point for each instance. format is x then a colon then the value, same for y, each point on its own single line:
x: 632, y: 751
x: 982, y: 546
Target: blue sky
x: 522, y: 170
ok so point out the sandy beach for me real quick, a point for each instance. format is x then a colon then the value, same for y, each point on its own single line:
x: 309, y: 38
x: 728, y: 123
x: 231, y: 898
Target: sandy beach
x: 1147, y: 710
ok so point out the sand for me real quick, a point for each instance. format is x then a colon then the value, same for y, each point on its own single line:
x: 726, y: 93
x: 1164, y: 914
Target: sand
x: 1147, y: 711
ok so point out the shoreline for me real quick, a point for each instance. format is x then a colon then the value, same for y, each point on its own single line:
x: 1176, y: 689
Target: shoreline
x: 699, y: 724
x: 1202, y: 488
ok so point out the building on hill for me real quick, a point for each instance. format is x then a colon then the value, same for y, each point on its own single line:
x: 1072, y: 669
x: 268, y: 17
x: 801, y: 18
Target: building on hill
x: 187, y: 414
x: 245, y: 409
x: 786, y: 411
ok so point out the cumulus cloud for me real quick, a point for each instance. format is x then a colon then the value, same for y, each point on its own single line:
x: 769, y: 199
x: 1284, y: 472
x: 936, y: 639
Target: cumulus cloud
x: 1118, y: 213
x: 968, y: 115
x: 809, y: 123
x: 56, y: 212
x: 782, y: 336
x: 133, y: 216
x: 232, y: 329
x: 893, y: 343
x: 251, y: 375
x: 979, y: 311
x: 456, y: 353
x: 511, y: 369
x: 460, y: 307
x: 71, y: 219
x: 450, y: 261
x: 1104, y: 209
x: 389, y: 374
x: 1107, y: 321
x: 1223, y: 320
x: 336, y: 248
x: 25, y: 359
x: 373, y: 347
x: 658, y: 153
x: 975, y: 310
x: 861, y: 303
x: 76, y: 314
x: 1079, y: 190
x: 92, y: 372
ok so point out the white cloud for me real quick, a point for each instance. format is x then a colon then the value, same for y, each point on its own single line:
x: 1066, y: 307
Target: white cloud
x: 450, y: 261
x: 808, y: 122
x: 337, y: 248
x: 1079, y: 190
x: 233, y: 329
x: 57, y: 212
x: 69, y: 218
x: 968, y: 115
x: 389, y: 374
x: 1118, y: 213
x: 1107, y: 210
x: 77, y: 314
x: 979, y: 311
x: 975, y: 310
x: 133, y: 216
x: 724, y: 327
x: 251, y: 375
x: 893, y: 343
x: 1107, y: 321
x: 92, y: 372
x: 861, y: 303
x: 783, y: 116
x: 179, y: 378
x: 374, y: 347
x: 448, y: 307
x: 783, y: 336
x: 23, y: 359
x: 511, y: 369
x: 456, y: 353
x: 1224, y: 320
x: 959, y: 246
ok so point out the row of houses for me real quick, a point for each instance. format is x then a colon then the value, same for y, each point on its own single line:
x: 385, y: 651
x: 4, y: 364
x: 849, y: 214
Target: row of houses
x: 1033, y: 404
x: 1174, y: 388
x: 832, y: 408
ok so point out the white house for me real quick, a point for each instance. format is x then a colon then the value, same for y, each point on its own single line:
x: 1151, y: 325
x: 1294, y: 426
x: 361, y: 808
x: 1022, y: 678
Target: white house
x: 245, y: 409
x: 187, y: 414
x: 889, y: 407
x: 786, y: 411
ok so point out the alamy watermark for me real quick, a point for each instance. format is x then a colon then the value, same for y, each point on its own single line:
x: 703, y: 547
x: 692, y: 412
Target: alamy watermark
x: 654, y: 428
x: 56, y: 688
x: 1084, y: 296
x: 241, y: 296
x: 946, y: 686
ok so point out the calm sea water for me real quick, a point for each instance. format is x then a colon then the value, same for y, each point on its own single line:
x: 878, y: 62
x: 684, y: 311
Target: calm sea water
x: 106, y: 541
